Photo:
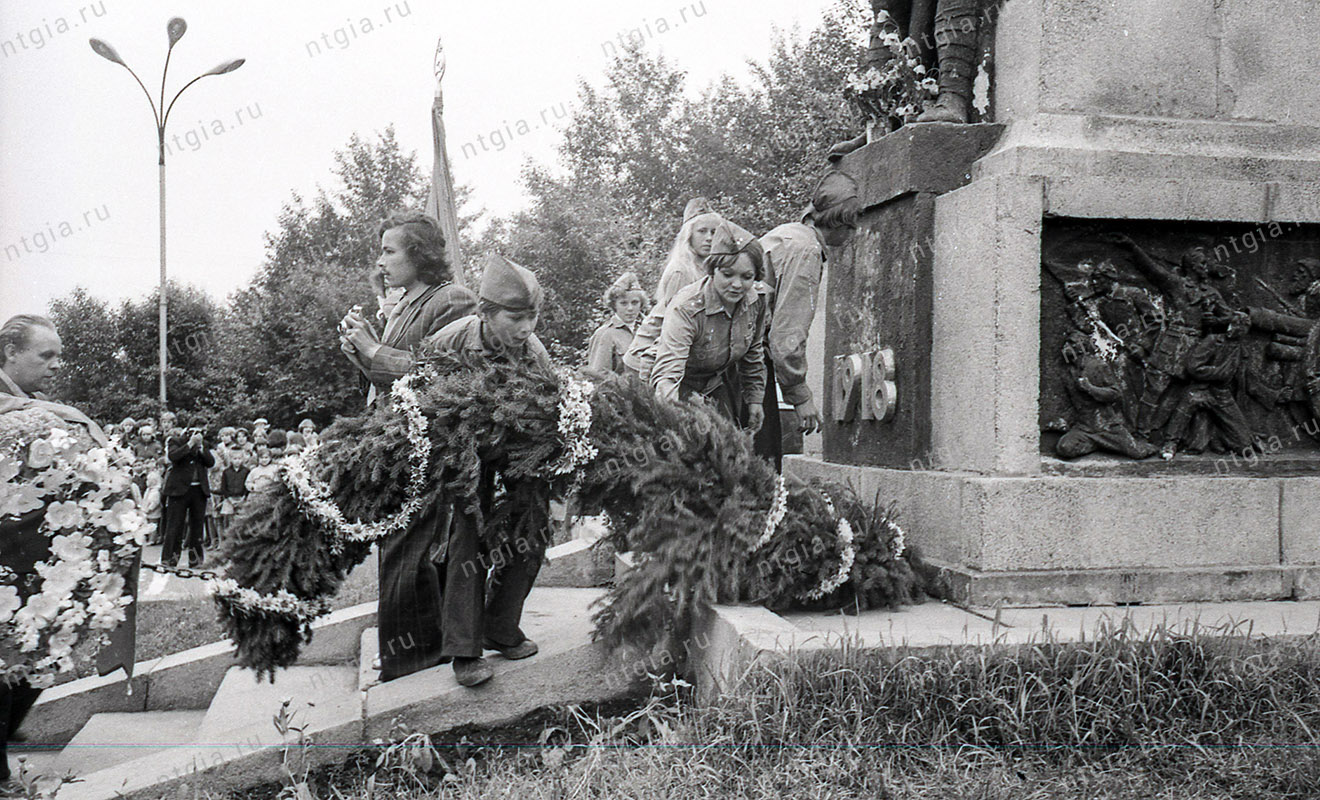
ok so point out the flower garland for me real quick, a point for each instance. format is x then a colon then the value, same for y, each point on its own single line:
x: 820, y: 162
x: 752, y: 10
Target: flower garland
x: 314, y: 496
x: 280, y: 604
x: 575, y: 425
x: 778, y: 508
x: 899, y: 541
x: 846, y: 558
x: 94, y: 529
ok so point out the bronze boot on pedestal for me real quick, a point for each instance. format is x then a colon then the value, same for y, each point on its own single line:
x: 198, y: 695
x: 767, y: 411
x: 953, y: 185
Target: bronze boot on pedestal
x: 956, y: 24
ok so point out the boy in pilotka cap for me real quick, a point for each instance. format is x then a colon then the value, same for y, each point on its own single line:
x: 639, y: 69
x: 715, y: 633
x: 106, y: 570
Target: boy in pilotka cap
x: 461, y: 620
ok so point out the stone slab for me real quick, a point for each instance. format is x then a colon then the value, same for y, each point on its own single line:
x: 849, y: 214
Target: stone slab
x: 179, y: 681
x: 577, y: 563
x: 1300, y: 521
x: 1206, y: 59
x: 61, y: 711
x: 1115, y: 586
x: 1088, y: 539
x: 368, y: 672
x: 1263, y: 42
x: 622, y: 563
x: 932, y: 157
x: 941, y: 625
x: 569, y: 668
x: 244, y: 700
x: 985, y: 340
x: 882, y: 282
x: 1127, y: 57
x: 240, y: 759
x: 109, y: 739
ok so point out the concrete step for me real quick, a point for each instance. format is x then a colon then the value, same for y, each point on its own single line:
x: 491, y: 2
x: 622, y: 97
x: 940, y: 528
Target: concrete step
x: 109, y: 739
x: 577, y: 563
x: 244, y: 705
x: 368, y: 673
x: 238, y: 746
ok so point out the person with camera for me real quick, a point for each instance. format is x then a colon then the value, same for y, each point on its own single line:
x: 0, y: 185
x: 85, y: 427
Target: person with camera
x: 185, y: 491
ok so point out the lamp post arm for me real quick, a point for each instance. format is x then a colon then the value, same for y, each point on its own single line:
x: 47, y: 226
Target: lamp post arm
x: 163, y: 73
x: 176, y: 98
x: 155, y: 113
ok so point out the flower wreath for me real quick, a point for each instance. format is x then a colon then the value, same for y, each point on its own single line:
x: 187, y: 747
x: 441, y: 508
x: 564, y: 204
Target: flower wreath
x: 66, y: 505
x: 314, y: 496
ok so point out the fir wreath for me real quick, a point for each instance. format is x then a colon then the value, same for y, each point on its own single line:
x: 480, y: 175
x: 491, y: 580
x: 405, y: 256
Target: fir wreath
x: 683, y: 490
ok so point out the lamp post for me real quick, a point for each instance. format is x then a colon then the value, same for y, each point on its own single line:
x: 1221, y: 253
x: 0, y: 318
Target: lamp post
x: 175, y: 28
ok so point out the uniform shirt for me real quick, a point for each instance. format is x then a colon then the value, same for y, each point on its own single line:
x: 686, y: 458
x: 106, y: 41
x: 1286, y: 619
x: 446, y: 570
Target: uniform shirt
x: 417, y: 315
x: 676, y: 277
x: 464, y: 337
x: 640, y: 356
x: 794, y: 259
x: 700, y: 338
x: 684, y: 272
x: 607, y: 348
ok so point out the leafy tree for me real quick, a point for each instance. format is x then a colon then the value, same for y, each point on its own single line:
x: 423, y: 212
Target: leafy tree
x: 637, y: 148
x: 283, y: 349
x: 111, y: 357
x: 93, y: 376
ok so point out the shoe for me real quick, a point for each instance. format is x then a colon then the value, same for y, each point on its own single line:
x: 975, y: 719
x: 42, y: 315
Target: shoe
x: 524, y: 649
x: 472, y: 671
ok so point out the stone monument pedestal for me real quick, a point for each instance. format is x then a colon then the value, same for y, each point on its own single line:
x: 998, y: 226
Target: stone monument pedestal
x: 987, y: 253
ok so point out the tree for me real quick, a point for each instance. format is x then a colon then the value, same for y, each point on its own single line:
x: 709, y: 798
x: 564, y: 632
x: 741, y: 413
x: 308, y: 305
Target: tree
x: 282, y: 350
x: 111, y: 357
x: 636, y: 149
x: 92, y: 377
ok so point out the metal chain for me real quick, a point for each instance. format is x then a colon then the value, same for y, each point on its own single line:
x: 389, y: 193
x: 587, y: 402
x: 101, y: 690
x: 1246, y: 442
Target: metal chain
x: 183, y: 572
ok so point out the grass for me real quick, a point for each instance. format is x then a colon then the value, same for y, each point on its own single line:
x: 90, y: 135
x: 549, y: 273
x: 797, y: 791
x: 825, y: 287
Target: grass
x: 1185, y: 713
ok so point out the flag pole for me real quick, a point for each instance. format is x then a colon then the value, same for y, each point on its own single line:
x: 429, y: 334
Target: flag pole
x: 441, y: 204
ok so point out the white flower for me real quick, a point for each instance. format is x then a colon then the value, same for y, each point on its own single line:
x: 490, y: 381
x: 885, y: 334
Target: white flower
x: 40, y: 454
x: 38, y: 611
x: 64, y: 515
x: 59, y: 580
x: 111, y: 583
x: 16, y: 499
x: 93, y: 466
x: 61, y: 643
x: 122, y: 517
x: 62, y: 440
x: 106, y: 611
x: 9, y: 603
x: 72, y: 547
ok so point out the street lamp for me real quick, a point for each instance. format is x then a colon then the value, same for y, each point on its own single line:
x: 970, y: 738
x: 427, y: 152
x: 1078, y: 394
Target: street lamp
x: 175, y: 28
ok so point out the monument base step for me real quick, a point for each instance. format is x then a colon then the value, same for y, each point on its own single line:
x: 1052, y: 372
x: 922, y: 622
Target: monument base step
x: 980, y: 589
x: 1084, y: 539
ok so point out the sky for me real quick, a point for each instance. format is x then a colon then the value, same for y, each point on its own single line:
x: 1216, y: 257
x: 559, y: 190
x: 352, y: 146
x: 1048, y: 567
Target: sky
x: 78, y: 173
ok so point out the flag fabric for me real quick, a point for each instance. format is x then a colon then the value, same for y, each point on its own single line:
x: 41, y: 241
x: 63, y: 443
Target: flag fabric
x: 441, y: 204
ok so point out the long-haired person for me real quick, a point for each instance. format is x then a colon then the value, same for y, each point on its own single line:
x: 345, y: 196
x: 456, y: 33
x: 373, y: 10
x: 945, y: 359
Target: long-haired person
x: 715, y: 325
x: 412, y: 258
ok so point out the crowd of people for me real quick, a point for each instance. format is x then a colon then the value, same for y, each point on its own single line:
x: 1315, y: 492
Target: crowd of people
x: 191, y: 484
x: 728, y: 326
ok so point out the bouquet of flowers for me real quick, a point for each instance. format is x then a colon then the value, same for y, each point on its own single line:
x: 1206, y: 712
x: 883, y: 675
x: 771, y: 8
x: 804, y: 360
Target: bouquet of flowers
x: 898, y: 87
x: 69, y: 531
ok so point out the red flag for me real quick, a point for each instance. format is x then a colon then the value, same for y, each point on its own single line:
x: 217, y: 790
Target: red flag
x: 441, y: 204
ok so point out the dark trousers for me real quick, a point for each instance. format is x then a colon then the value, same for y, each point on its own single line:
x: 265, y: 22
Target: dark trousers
x: 769, y: 441
x: 190, y: 509
x: 473, y: 613
x: 409, y: 614
x: 15, y: 701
